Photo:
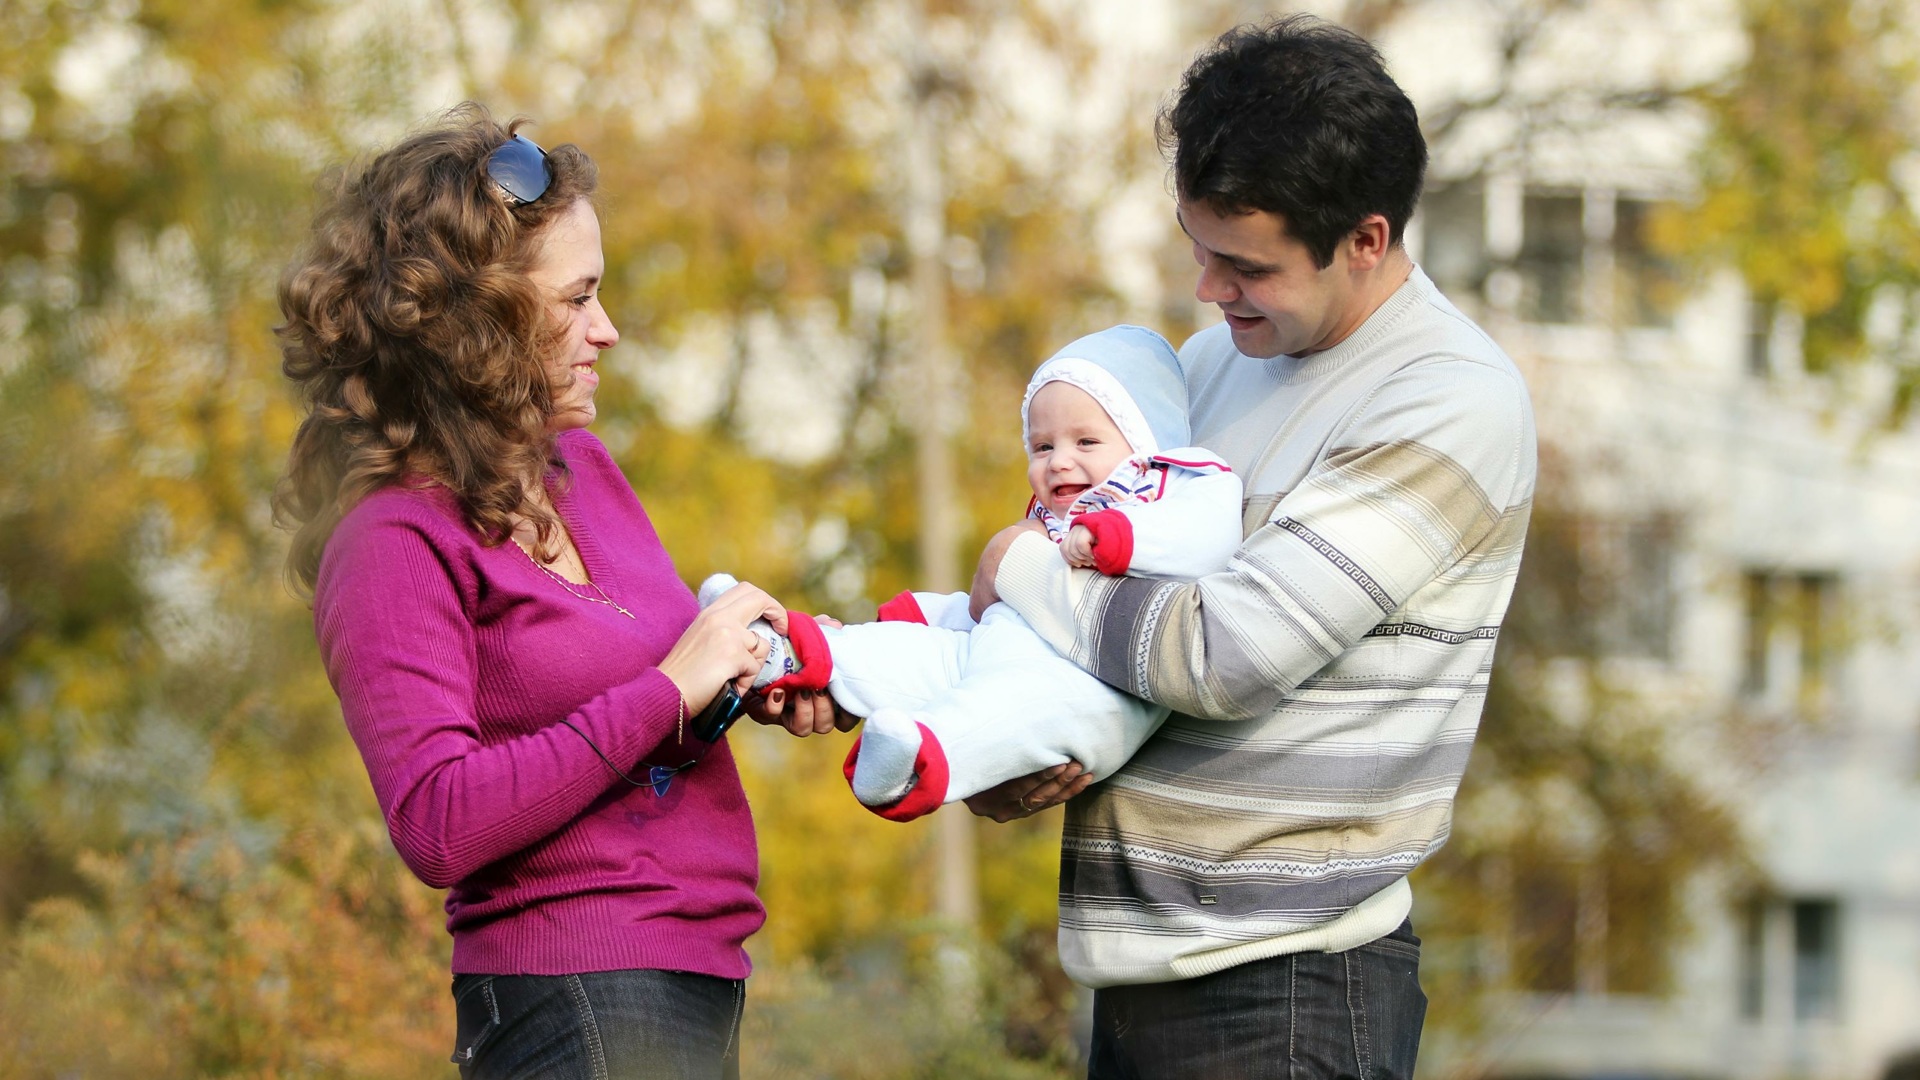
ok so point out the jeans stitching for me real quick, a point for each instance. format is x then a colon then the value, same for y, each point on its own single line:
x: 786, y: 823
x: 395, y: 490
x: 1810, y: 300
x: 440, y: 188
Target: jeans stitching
x: 589, y: 1026
x: 733, y: 1026
x: 1293, y: 1010
x: 464, y: 1055
x: 1357, y: 1014
x: 1411, y: 952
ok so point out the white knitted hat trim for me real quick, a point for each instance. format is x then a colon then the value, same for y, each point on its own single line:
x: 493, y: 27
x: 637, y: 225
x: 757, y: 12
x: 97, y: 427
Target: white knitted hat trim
x: 1101, y: 385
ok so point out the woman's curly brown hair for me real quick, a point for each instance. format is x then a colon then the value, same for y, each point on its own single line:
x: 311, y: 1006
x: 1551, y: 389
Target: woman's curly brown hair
x: 416, y: 339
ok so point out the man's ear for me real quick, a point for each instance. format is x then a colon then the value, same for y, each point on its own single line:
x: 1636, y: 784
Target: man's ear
x: 1368, y: 243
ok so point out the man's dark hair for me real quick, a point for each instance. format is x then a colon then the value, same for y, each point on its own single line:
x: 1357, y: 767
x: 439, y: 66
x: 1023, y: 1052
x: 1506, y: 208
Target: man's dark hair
x: 1297, y: 117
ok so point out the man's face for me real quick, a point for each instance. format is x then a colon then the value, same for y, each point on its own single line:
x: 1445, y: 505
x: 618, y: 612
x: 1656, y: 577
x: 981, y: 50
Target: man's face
x: 1275, y: 299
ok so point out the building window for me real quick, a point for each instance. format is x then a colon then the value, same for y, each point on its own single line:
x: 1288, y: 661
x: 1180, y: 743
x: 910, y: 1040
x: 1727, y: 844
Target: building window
x: 1647, y: 283
x: 1789, y: 962
x: 1816, y: 960
x: 1546, y: 910
x: 1753, y: 958
x: 1598, y: 586
x: 1453, y: 239
x: 1760, y: 319
x: 1583, y: 925
x: 1790, y: 636
x: 1627, y: 575
x: 1552, y: 251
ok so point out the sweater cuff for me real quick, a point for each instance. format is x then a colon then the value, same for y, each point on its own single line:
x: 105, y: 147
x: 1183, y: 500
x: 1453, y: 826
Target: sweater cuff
x: 1112, y: 540
x: 1036, y: 582
x: 658, y: 701
x: 1029, y: 571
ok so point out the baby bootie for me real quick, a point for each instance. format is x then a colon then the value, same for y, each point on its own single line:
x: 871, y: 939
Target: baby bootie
x: 897, y: 768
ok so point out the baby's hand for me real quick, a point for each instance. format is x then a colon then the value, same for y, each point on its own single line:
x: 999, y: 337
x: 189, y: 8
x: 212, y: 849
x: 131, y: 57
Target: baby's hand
x: 1078, y: 547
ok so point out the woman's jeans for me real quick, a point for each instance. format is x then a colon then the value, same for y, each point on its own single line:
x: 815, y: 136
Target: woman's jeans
x: 1309, y: 1016
x: 606, y: 1025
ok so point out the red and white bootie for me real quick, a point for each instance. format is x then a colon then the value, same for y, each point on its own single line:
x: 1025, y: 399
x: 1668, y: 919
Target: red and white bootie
x: 897, y: 768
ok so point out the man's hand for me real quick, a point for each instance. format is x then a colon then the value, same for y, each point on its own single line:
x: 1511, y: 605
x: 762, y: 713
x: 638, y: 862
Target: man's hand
x: 984, y: 592
x: 1026, y: 796
x: 1078, y: 547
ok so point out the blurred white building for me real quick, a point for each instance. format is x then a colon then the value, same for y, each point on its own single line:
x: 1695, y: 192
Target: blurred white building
x: 1764, y: 525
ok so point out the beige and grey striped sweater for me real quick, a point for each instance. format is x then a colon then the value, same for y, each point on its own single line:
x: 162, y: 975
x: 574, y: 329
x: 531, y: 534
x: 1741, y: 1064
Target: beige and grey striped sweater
x: 1327, y: 686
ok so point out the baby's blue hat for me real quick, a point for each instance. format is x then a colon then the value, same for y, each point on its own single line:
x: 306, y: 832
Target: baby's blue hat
x: 1134, y: 374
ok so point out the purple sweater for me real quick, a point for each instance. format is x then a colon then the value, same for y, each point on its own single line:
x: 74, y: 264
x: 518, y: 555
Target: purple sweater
x: 455, y: 663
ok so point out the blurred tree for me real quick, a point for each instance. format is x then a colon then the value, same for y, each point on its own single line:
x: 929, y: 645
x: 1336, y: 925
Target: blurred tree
x: 175, y: 787
x: 169, y: 753
x: 1807, y: 182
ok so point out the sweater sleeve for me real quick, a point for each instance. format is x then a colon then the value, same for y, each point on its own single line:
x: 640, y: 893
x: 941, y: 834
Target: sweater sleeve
x: 399, y: 647
x: 1436, y: 462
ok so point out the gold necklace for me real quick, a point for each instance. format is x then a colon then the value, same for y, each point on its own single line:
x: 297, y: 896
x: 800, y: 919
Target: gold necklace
x: 572, y: 589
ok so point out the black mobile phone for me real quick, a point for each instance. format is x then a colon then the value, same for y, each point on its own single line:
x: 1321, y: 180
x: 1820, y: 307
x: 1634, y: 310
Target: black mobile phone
x: 715, y: 719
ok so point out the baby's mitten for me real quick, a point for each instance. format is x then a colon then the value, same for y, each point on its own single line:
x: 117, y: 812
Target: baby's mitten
x: 780, y: 658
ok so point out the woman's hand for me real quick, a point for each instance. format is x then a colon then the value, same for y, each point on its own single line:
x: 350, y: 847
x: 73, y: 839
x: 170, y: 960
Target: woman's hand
x: 803, y: 712
x: 985, y: 592
x: 719, y: 649
x: 1025, y: 796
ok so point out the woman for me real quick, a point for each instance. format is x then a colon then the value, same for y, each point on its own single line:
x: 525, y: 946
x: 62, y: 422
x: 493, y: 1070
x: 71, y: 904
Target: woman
x: 514, y: 655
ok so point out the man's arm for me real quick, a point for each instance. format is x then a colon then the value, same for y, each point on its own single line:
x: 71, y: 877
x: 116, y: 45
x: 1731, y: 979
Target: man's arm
x: 1433, y: 477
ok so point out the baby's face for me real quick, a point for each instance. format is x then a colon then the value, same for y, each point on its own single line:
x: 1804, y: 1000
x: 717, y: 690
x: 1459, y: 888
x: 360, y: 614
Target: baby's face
x: 1072, y: 444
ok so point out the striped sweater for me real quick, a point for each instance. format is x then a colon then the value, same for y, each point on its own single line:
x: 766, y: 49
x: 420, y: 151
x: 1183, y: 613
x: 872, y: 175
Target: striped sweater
x: 1327, y: 686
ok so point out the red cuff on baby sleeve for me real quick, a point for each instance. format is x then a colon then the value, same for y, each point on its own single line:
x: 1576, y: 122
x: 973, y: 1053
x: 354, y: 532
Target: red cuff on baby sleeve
x: 903, y: 608
x: 810, y: 648
x: 1112, y: 540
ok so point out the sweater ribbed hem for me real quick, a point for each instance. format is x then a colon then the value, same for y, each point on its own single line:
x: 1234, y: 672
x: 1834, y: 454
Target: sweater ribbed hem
x: 1102, y: 958
x: 599, y: 933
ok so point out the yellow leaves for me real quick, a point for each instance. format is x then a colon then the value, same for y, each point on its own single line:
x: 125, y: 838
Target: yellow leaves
x: 832, y: 874
x: 203, y: 960
x: 146, y: 422
x: 1801, y: 163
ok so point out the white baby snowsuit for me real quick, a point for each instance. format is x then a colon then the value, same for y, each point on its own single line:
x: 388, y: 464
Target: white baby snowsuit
x: 971, y: 706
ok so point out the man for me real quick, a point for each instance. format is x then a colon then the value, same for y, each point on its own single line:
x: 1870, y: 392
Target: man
x: 1237, y: 892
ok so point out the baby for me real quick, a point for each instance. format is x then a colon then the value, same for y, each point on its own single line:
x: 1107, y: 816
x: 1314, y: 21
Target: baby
x: 954, y: 707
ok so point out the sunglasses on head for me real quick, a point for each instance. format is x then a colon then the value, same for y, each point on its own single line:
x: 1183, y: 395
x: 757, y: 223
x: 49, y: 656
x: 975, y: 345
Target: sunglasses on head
x: 520, y: 170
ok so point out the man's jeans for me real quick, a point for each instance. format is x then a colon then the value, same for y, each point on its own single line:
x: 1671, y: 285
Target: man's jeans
x: 1303, y: 1017
x: 606, y: 1025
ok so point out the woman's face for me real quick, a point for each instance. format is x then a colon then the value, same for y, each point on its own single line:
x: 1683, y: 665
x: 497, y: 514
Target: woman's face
x: 567, y: 267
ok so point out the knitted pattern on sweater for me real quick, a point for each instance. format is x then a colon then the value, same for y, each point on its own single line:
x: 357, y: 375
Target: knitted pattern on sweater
x: 1326, y: 688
